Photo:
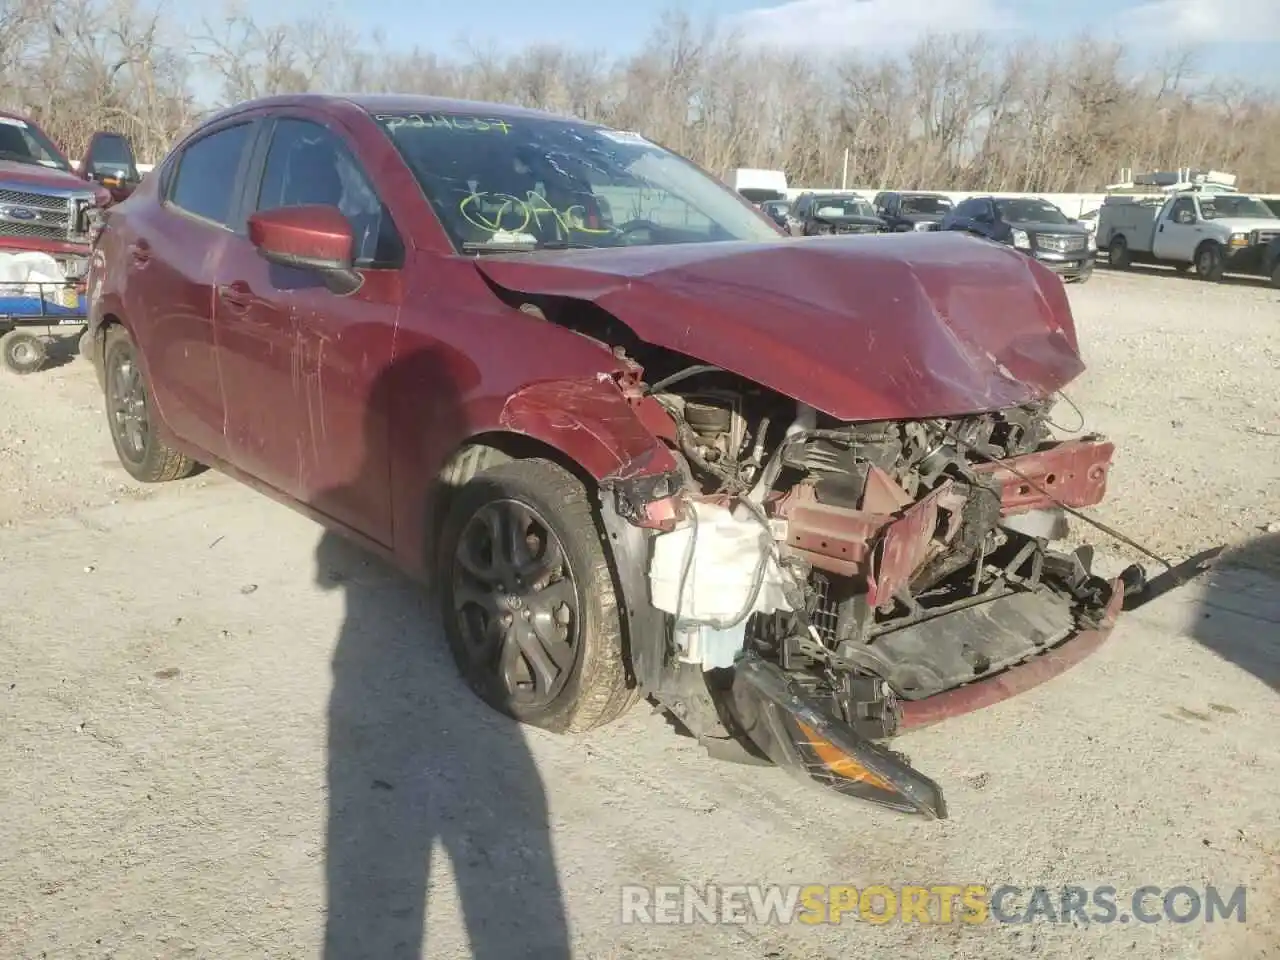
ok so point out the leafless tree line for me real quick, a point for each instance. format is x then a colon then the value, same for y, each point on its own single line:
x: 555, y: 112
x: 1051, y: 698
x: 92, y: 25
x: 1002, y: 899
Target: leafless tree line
x: 957, y: 111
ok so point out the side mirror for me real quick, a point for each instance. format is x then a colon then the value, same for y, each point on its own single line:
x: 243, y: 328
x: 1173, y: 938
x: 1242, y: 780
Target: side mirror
x: 310, y: 237
x: 109, y: 159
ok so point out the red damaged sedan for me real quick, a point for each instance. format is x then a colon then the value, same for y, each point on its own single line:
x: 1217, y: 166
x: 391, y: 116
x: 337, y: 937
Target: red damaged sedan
x: 801, y: 492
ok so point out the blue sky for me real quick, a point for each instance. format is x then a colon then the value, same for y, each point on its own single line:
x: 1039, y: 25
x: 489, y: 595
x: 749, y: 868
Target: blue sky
x: 1239, y: 38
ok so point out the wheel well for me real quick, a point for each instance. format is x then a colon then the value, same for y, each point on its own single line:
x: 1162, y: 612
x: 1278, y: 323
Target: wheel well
x: 1207, y: 243
x: 108, y: 321
x: 482, y: 452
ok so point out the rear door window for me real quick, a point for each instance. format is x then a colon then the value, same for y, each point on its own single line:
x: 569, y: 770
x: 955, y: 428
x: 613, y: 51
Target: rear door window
x: 208, y: 174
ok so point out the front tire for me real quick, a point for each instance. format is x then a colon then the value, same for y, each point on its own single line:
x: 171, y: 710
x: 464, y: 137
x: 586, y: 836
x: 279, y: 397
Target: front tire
x: 1209, y: 265
x: 528, y: 601
x: 141, y: 450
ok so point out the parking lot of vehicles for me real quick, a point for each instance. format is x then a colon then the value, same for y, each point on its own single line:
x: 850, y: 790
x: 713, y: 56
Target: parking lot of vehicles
x: 800, y: 537
x: 1216, y: 233
x: 1033, y: 226
x: 818, y: 214
x: 910, y: 210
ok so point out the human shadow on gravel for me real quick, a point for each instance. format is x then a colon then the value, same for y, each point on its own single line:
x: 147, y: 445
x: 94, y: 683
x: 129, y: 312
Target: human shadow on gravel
x: 1238, y: 616
x: 416, y: 760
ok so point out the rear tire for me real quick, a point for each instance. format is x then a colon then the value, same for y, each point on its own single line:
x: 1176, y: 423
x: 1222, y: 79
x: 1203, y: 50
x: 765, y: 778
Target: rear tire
x: 1209, y: 264
x: 142, y: 451
x: 527, y: 599
x: 23, y: 352
x: 1118, y: 254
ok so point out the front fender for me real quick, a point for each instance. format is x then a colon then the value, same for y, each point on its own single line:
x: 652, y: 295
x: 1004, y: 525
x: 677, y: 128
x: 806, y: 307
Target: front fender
x: 591, y: 422
x: 616, y: 439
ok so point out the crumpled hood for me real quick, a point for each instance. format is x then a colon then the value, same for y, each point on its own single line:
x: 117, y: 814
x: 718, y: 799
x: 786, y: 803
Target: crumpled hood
x: 892, y: 327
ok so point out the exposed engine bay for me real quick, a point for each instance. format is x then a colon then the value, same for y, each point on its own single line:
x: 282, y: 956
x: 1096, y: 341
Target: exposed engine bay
x: 823, y: 585
x: 874, y: 563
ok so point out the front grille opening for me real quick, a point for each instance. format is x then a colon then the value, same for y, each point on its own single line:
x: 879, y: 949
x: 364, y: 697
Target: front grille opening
x: 40, y: 216
x: 824, y: 614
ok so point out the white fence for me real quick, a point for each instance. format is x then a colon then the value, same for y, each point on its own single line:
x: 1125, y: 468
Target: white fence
x: 1072, y: 204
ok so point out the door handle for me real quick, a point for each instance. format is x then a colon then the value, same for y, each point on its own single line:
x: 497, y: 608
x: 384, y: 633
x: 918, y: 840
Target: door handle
x: 235, y: 295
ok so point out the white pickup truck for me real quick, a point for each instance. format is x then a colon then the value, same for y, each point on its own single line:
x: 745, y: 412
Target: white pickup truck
x: 1216, y: 233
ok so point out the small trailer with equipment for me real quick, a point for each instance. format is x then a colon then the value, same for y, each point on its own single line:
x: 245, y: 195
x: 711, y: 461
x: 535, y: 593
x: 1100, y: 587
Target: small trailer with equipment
x: 28, y: 317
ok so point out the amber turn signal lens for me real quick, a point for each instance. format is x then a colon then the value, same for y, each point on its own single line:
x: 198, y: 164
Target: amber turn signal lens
x: 839, y: 762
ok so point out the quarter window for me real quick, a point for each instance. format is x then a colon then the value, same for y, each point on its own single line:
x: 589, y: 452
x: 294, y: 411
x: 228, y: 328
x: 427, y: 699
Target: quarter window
x: 205, y: 182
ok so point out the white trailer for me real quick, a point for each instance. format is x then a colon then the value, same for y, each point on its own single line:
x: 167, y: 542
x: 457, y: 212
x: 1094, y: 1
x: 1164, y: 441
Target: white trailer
x: 759, y: 185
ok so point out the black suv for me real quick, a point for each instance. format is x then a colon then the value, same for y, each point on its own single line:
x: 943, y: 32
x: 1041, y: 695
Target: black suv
x: 818, y: 214
x: 903, y: 212
x: 1032, y: 225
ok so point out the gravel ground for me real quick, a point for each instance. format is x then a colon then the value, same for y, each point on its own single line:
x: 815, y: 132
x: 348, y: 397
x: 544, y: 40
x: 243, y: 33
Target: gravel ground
x: 215, y: 720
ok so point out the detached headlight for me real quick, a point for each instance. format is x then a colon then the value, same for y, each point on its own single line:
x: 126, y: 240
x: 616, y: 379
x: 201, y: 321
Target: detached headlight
x: 1238, y: 240
x: 923, y: 225
x: 1021, y: 240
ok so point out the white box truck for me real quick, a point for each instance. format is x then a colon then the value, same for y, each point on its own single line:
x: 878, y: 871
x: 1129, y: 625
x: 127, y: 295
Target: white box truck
x: 759, y: 185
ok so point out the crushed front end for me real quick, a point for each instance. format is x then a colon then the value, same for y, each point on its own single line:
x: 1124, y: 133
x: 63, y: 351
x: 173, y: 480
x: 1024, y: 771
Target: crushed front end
x: 822, y: 586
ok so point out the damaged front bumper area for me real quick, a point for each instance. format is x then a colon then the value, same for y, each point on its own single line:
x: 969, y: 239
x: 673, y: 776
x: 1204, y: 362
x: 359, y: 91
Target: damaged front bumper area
x: 874, y: 579
x: 795, y: 732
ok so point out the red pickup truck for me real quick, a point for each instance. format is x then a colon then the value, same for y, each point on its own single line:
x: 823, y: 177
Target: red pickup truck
x: 45, y: 202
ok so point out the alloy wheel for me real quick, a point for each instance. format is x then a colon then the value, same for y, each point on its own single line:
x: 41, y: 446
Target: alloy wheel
x: 516, y: 603
x: 127, y: 400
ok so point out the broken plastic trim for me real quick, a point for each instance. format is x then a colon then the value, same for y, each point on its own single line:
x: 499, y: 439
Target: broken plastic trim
x: 795, y: 733
x: 648, y: 501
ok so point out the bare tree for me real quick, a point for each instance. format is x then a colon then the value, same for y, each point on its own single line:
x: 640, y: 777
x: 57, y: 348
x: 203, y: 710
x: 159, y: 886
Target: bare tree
x: 954, y: 111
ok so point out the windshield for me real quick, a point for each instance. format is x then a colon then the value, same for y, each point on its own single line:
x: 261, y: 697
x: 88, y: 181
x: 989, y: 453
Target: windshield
x: 22, y: 143
x: 1216, y: 208
x: 842, y: 207
x: 926, y: 205
x: 1022, y: 210
x: 534, y: 183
